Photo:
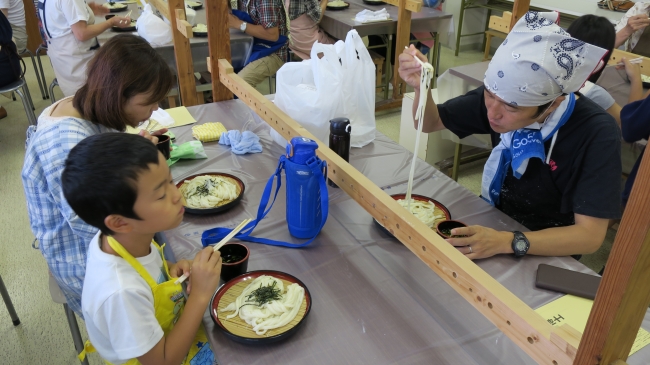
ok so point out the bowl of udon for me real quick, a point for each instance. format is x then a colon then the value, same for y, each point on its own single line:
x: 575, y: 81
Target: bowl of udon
x: 210, y: 192
x: 428, y: 210
x: 260, y: 307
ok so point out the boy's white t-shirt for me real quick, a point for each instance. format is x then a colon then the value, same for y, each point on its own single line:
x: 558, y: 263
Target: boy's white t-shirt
x: 118, y: 306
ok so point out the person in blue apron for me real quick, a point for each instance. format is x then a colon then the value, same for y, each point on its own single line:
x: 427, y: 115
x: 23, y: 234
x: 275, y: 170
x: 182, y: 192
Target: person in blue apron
x: 556, y: 164
x: 266, y: 21
x: 134, y: 310
x: 71, y: 33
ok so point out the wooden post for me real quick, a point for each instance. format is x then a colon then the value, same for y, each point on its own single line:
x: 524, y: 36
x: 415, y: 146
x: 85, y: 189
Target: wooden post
x: 33, y: 33
x: 183, y: 53
x: 401, y: 40
x: 623, y: 295
x: 216, y: 14
x: 519, y: 9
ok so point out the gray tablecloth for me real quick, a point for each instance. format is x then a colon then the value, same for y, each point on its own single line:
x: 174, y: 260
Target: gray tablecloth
x: 374, y: 302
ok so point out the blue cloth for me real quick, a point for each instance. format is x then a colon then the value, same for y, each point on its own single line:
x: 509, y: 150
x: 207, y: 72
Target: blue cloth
x: 241, y: 143
x: 635, y: 126
x: 63, y: 237
x: 261, y: 47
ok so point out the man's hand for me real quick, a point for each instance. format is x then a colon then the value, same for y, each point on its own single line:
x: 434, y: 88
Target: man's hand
x: 234, y: 22
x: 484, y: 242
x: 98, y: 9
x: 410, y: 70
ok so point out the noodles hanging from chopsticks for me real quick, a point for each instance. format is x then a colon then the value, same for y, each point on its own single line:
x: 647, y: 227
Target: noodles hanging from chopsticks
x: 425, y: 82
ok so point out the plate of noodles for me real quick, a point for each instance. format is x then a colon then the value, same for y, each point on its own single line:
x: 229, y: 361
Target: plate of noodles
x: 337, y: 5
x: 428, y: 210
x: 210, y: 192
x: 261, y: 307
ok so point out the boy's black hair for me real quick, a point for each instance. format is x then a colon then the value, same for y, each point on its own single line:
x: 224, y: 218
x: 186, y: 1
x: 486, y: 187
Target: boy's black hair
x: 597, y: 31
x: 101, y: 174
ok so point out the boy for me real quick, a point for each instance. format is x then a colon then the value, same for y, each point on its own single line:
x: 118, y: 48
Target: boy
x: 121, y: 184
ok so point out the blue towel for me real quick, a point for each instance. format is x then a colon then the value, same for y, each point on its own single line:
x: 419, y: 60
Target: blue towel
x: 241, y: 143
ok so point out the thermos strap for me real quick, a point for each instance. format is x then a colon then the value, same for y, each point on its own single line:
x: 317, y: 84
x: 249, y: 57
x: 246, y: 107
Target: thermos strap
x: 212, y: 236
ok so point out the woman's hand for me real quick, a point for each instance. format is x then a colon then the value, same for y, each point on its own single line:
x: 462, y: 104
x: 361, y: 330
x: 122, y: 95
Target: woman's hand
x: 637, y: 22
x: 98, y: 9
x: 153, y: 137
x: 410, y: 69
x: 481, y: 242
x: 120, y: 21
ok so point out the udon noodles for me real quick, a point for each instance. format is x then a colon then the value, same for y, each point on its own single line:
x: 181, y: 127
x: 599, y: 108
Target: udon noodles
x: 208, y: 191
x: 427, y: 212
x: 270, y: 315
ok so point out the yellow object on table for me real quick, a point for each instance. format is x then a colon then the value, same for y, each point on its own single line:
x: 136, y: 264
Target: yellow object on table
x: 575, y: 311
x: 208, y: 132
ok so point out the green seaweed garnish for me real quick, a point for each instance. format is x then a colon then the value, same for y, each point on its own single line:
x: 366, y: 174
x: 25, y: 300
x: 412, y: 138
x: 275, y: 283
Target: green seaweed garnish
x: 230, y: 258
x: 263, y: 295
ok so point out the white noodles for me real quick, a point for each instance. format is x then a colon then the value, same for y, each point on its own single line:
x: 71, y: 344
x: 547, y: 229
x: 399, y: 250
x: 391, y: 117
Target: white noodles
x: 208, y: 191
x: 425, y: 82
x: 274, y: 314
x: 424, y: 211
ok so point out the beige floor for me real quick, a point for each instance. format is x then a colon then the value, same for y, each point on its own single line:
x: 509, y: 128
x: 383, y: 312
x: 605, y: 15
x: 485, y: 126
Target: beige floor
x: 44, y: 337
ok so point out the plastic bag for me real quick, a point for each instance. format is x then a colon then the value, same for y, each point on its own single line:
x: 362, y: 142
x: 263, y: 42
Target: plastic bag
x: 192, y: 150
x: 358, y: 89
x: 153, y: 29
x: 310, y: 92
x: 341, y: 83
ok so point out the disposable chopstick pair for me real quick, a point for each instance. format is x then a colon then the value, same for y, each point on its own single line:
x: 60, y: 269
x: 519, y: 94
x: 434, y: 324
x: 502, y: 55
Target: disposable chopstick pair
x: 632, y: 61
x: 129, y: 13
x: 219, y: 245
x: 417, y: 59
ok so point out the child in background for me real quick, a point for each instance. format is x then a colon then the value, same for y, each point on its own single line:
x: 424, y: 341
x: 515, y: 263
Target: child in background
x: 134, y: 312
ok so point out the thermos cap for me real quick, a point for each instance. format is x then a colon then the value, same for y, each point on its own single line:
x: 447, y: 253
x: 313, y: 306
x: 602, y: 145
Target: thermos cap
x: 340, y: 126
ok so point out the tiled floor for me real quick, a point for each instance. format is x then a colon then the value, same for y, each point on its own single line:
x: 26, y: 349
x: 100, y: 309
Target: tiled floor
x: 44, y: 337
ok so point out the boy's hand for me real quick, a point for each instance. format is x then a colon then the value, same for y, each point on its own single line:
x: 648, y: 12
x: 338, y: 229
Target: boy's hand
x: 181, y: 267
x: 206, y: 269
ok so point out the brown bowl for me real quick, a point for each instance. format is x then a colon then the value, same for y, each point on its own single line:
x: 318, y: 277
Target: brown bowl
x: 220, y: 208
x: 419, y: 198
x: 443, y: 228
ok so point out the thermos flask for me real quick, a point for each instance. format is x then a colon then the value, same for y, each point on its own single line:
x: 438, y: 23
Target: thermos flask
x: 340, y: 130
x: 304, y: 211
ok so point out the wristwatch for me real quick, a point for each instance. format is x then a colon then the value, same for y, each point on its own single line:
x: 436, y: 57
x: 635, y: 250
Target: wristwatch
x: 520, y: 244
x: 242, y: 27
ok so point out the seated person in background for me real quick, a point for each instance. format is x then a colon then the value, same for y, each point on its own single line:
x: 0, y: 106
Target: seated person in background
x: 635, y: 125
x: 14, y: 10
x: 632, y: 29
x: 556, y: 164
x: 132, y: 307
x: 304, y: 16
x: 10, y: 70
x: 599, y: 31
x: 268, y: 22
x: 108, y: 102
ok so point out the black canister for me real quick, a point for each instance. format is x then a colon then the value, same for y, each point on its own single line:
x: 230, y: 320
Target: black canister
x: 340, y: 130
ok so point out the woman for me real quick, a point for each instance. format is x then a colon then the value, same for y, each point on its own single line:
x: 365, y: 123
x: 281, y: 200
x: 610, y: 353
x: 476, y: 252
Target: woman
x: 632, y: 29
x: 71, y: 38
x: 599, y: 31
x: 556, y: 164
x: 305, y: 17
x: 119, y: 93
x: 9, y: 60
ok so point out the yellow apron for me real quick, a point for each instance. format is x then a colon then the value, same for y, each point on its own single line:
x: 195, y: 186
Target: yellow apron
x: 169, y: 302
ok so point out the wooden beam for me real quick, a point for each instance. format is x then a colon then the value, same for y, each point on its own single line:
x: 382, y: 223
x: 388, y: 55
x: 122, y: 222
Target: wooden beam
x: 623, y: 296
x: 512, y: 316
x: 183, y: 25
x: 183, y: 54
x: 519, y: 9
x: 162, y: 8
x: 411, y: 5
x: 402, y: 40
x: 216, y: 13
x: 617, y: 55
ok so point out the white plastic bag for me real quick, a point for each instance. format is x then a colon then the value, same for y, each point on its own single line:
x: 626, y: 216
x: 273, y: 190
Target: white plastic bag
x: 358, y: 91
x: 310, y: 92
x: 153, y: 29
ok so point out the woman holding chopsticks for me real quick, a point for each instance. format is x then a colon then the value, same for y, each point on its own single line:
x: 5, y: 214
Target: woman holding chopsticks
x: 71, y: 32
x: 119, y: 92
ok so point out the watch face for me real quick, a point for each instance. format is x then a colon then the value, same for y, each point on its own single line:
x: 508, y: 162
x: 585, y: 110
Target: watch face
x: 520, y: 245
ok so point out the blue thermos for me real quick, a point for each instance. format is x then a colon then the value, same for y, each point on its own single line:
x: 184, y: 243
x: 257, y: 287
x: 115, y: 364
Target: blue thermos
x: 304, y: 210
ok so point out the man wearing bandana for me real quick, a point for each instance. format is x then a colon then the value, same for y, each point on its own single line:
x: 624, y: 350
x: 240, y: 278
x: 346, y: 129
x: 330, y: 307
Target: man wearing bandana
x: 556, y: 164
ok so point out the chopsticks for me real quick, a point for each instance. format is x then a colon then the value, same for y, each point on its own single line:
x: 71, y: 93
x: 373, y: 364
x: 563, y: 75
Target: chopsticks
x: 633, y: 61
x: 129, y: 13
x: 220, y: 244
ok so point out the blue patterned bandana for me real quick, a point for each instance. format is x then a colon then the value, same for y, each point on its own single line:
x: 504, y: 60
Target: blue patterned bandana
x: 539, y: 61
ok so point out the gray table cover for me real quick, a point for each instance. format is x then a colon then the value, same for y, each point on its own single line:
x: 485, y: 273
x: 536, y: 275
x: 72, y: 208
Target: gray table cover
x: 374, y: 302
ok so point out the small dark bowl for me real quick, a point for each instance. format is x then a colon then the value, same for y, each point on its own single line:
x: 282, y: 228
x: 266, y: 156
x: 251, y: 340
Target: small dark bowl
x: 200, y: 34
x: 415, y: 197
x: 238, y: 254
x: 164, y: 145
x: 448, y: 225
x: 219, y: 209
x: 214, y: 304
